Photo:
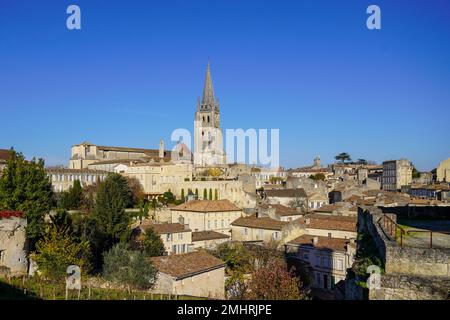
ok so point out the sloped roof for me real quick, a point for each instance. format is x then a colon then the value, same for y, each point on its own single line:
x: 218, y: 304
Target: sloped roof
x: 207, y: 206
x: 331, y: 222
x: 208, y: 235
x: 325, y: 243
x: 286, y: 193
x: 185, y: 265
x: 162, y: 228
x: 259, y: 223
x: 5, y: 154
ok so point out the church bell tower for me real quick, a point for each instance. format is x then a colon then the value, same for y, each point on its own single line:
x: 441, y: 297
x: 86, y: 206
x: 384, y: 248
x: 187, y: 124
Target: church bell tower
x: 207, y: 132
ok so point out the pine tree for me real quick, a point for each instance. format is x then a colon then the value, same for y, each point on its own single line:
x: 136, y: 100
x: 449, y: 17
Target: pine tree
x: 205, y: 194
x: 153, y: 245
x: 111, y: 223
x: 210, y: 194
x: 216, y: 195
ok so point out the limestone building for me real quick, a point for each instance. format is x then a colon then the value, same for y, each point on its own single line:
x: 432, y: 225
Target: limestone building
x: 203, y: 215
x: 4, y: 156
x: 62, y: 178
x: 396, y: 173
x: 208, y: 138
x: 177, y: 238
x: 197, y: 274
x: 443, y: 171
x: 86, y: 153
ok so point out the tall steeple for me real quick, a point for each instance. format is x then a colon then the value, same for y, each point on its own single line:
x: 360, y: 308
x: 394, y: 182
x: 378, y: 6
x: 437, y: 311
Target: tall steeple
x: 208, y: 99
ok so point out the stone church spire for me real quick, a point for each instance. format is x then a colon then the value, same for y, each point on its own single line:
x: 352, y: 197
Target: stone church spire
x: 208, y: 91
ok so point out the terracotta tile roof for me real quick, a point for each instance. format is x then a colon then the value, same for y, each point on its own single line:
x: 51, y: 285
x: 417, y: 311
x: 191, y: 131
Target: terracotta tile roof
x: 328, y: 208
x: 281, y: 210
x: 207, y: 206
x: 161, y: 228
x: 323, y: 243
x: 330, y: 222
x: 6, y: 214
x: 259, y: 223
x: 185, y: 265
x: 286, y: 193
x: 5, y: 154
x: 208, y: 235
x: 353, y: 198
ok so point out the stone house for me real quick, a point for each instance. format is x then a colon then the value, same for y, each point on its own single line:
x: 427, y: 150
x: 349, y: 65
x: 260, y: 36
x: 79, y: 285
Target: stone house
x: 256, y: 228
x: 197, y: 274
x: 4, y: 157
x: 330, y: 226
x: 317, y: 200
x: 278, y: 212
x: 13, y: 243
x: 204, y: 215
x: 286, y: 196
x: 177, y: 238
x: 327, y: 258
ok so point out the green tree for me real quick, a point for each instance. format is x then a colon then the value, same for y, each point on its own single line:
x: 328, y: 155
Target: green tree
x: 72, y: 199
x: 216, y: 195
x: 210, y: 194
x: 130, y: 268
x: 362, y: 161
x: 25, y: 187
x: 205, y: 194
x: 153, y: 245
x: 343, y: 157
x: 169, y: 197
x: 57, y: 250
x: 317, y: 176
x: 110, y: 221
x: 415, y: 173
x: 182, y: 194
x: 124, y: 186
x: 196, y: 192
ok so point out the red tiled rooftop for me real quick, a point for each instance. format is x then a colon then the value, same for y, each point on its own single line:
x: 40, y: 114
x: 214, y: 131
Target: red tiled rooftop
x: 184, y: 265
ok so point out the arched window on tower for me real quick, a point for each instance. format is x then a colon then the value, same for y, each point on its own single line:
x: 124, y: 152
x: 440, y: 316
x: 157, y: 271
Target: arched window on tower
x: 208, y: 119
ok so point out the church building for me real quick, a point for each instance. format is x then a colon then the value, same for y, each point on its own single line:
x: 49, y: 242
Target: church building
x: 208, y: 138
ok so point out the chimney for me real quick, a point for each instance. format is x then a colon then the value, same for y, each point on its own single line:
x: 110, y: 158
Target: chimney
x: 315, y: 240
x: 161, y: 149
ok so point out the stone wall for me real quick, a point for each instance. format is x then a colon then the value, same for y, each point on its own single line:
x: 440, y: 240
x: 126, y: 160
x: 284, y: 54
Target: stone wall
x: 410, y: 273
x: 13, y: 246
x: 405, y: 287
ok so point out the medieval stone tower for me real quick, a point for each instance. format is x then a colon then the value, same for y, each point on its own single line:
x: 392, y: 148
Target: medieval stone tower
x: 208, y: 138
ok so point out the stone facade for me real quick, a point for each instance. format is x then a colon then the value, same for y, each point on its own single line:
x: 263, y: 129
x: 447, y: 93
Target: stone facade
x: 443, y: 171
x: 208, y: 140
x: 396, y: 173
x: 203, y: 215
x: 62, y: 179
x: 13, y: 243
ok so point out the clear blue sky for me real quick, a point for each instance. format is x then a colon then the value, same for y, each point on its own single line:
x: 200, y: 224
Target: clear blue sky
x: 310, y: 68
